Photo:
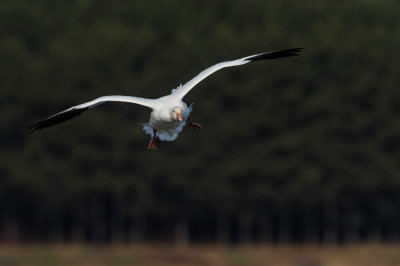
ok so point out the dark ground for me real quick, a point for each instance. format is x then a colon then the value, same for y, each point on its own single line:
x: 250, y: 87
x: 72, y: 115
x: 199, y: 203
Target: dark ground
x: 154, y: 255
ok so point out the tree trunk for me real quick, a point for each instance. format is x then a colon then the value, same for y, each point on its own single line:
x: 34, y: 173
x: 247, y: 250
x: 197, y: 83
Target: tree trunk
x: 181, y: 231
x: 245, y: 223
x: 223, y: 229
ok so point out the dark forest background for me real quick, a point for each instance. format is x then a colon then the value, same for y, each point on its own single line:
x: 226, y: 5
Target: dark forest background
x: 301, y: 149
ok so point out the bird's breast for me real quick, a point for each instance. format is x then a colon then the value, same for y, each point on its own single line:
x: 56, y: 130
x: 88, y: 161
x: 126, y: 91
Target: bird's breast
x: 161, y: 120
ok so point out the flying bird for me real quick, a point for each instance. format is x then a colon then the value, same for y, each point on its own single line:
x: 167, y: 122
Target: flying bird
x: 169, y: 113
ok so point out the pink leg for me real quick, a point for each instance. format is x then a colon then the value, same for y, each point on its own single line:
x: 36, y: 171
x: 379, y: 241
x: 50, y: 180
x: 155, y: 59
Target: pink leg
x: 155, y: 140
x: 194, y: 125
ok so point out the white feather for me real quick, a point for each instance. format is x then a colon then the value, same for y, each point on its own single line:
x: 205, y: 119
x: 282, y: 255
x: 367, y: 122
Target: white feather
x: 167, y: 128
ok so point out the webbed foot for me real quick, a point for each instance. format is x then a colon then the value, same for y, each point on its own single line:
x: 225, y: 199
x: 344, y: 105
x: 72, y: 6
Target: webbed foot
x: 194, y: 125
x: 155, y: 140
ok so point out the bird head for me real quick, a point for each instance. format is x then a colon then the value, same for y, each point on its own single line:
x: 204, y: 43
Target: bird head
x: 177, y: 113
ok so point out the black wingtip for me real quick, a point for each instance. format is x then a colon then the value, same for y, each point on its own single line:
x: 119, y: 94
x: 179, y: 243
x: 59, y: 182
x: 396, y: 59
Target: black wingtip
x: 276, y: 54
x: 32, y: 128
x: 55, y: 119
x: 37, y: 126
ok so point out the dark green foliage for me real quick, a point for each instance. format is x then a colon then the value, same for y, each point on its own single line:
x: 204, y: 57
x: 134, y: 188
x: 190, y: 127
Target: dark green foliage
x: 299, y: 139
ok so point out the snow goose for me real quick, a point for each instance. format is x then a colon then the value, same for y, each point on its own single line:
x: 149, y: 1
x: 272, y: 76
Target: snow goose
x: 169, y: 113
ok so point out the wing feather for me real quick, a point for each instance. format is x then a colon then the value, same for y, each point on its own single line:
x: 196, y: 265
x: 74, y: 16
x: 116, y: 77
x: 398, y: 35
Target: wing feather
x: 78, y: 109
x: 183, y: 90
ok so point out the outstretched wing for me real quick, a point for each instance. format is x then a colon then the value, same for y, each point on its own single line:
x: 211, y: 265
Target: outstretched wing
x: 183, y: 90
x: 78, y: 109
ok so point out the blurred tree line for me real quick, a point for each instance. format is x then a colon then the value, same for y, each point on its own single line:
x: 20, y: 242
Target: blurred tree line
x: 301, y: 149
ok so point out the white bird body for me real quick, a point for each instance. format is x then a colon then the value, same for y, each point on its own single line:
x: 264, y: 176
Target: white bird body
x: 167, y: 128
x: 169, y: 113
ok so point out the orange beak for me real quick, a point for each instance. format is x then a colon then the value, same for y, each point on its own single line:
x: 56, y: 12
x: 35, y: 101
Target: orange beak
x: 179, y: 117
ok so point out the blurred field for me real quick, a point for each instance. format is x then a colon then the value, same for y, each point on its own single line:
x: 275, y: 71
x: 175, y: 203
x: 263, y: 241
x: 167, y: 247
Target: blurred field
x: 155, y: 255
